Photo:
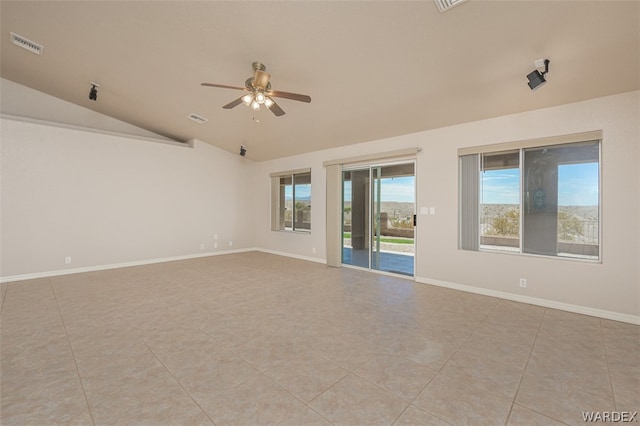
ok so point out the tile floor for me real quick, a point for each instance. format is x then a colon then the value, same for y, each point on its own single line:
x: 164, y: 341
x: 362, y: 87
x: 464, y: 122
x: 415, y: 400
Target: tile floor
x: 253, y: 339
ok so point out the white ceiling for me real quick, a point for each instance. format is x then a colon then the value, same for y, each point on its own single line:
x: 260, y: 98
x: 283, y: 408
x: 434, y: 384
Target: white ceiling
x: 373, y: 69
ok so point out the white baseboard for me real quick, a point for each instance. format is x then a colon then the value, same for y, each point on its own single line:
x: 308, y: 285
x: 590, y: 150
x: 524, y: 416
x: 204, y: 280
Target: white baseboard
x: 47, y: 274
x: 585, y: 310
x: 295, y: 256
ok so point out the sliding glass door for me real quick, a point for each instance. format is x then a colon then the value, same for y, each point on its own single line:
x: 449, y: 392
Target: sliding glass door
x: 356, y: 217
x: 378, y: 217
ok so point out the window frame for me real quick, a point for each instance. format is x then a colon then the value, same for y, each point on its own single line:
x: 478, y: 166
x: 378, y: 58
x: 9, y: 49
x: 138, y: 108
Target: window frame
x: 277, y: 200
x: 466, y: 157
x: 483, y: 168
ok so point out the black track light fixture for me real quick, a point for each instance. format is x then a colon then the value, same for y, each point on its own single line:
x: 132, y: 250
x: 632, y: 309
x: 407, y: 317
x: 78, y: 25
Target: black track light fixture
x: 243, y: 150
x: 535, y: 77
x: 93, y: 93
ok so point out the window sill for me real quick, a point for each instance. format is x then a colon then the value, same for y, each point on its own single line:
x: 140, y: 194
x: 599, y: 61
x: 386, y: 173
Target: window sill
x: 517, y: 252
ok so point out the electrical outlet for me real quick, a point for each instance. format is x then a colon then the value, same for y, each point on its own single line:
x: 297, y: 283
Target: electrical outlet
x: 313, y: 250
x: 202, y: 246
x: 230, y: 243
x: 215, y: 245
x: 67, y: 260
x: 523, y: 282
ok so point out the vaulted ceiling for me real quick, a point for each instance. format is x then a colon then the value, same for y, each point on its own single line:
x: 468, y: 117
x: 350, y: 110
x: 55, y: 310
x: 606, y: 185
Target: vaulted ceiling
x: 373, y: 69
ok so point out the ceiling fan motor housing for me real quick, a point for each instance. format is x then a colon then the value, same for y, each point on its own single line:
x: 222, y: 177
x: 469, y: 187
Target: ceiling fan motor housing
x: 260, y: 93
x: 258, y: 66
x: 249, y: 84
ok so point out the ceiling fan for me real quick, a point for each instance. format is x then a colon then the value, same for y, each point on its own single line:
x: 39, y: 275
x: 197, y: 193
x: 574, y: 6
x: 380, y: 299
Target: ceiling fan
x: 260, y: 92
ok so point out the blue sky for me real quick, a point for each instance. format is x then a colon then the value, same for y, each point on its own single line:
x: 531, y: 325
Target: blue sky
x: 399, y: 189
x: 501, y: 186
x: 577, y: 185
x: 303, y: 192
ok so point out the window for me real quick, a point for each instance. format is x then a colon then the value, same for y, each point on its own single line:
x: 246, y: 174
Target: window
x: 541, y: 200
x: 500, y: 201
x: 291, y: 201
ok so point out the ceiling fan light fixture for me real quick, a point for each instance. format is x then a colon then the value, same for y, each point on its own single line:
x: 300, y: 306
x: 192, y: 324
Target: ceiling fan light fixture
x: 258, y: 92
x: 247, y: 99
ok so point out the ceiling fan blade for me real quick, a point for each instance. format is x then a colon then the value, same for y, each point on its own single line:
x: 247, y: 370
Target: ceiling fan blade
x: 261, y: 79
x: 233, y: 104
x: 276, y: 110
x: 224, y: 86
x: 293, y: 96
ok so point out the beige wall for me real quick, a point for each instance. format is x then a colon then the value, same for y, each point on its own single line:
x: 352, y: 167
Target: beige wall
x: 20, y: 101
x: 105, y: 200
x: 613, y: 285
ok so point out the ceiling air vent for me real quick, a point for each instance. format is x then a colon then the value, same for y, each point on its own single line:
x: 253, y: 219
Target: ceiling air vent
x: 197, y: 118
x: 27, y: 44
x: 444, y: 5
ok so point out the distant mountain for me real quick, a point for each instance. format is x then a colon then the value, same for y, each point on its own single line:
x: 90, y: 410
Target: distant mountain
x: 580, y: 212
x: 393, y: 208
x: 300, y: 198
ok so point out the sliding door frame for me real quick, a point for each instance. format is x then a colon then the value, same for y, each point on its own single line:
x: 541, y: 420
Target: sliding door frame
x: 333, y: 230
x: 373, y: 210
